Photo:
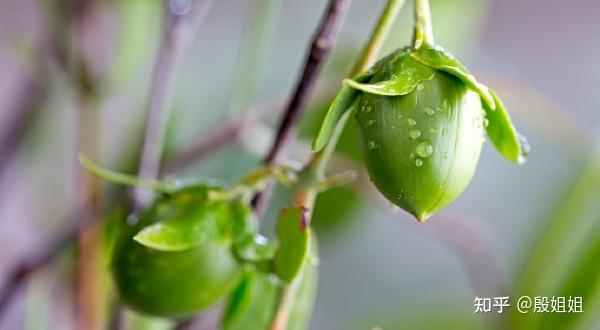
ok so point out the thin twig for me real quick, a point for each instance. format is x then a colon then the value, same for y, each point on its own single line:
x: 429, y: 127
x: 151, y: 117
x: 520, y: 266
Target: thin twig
x: 322, y: 43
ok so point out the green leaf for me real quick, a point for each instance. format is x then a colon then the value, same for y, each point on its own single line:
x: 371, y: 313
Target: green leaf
x: 170, y: 235
x: 439, y: 59
x: 411, y: 74
x: 342, y: 102
x: 503, y: 134
x: 190, y: 227
x: 294, y: 237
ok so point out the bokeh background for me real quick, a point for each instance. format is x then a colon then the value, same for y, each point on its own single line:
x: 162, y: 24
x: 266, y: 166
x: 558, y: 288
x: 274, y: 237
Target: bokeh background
x: 378, y: 267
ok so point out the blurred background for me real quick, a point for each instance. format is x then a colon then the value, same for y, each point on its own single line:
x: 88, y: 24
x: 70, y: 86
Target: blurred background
x: 516, y: 230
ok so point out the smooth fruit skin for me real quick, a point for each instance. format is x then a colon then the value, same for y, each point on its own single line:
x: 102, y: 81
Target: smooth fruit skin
x: 172, y: 284
x: 421, y: 149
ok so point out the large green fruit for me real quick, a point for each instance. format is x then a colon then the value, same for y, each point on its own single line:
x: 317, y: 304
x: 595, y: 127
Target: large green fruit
x: 421, y: 149
x: 421, y: 118
x: 178, y: 283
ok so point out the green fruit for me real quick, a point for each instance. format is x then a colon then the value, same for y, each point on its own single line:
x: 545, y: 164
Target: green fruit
x: 421, y: 117
x: 179, y: 283
x: 421, y: 149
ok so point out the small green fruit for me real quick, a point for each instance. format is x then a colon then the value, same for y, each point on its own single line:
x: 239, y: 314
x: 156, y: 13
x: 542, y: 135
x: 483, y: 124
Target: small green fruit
x: 181, y: 282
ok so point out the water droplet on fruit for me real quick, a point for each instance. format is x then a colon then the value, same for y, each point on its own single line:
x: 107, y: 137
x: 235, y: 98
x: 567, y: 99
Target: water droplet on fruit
x: 411, y: 122
x: 486, y: 122
x: 371, y: 145
x: 415, y: 134
x: 371, y: 122
x: 424, y: 149
x: 419, y: 162
x: 433, y: 130
x: 429, y: 111
x: 411, y: 156
x: 420, y: 87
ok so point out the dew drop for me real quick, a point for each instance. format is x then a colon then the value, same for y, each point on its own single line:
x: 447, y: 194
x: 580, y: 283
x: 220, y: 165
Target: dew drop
x: 486, y: 122
x: 424, y: 149
x: 445, y: 104
x: 411, y: 156
x: 429, y: 111
x: 419, y: 162
x: 420, y: 87
x: 415, y: 134
x: 371, y: 122
x: 371, y: 145
x: 411, y: 122
x: 433, y: 130
x: 445, y: 155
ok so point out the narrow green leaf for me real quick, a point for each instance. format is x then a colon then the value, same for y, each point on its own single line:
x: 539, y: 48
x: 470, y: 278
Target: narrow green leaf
x: 304, y: 301
x: 439, y: 59
x: 582, y: 280
x: 411, y: 74
x: 502, y: 133
x: 559, y: 256
x: 342, y: 102
x: 294, y: 237
x: 252, y: 303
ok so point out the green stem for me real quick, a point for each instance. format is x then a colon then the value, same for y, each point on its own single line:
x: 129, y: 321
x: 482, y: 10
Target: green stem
x: 121, y: 178
x: 366, y: 60
x: 423, y: 28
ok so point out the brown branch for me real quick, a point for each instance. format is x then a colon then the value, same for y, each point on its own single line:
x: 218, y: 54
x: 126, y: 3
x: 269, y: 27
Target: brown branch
x: 321, y: 45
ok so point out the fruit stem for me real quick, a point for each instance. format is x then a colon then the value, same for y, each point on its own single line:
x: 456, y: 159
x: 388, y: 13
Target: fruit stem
x: 423, y: 27
x: 314, y: 171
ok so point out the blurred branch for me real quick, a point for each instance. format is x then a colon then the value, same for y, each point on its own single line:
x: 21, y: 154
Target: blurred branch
x: 322, y: 43
x: 41, y: 257
x: 182, y: 21
x: 225, y: 135
x: 27, y: 100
